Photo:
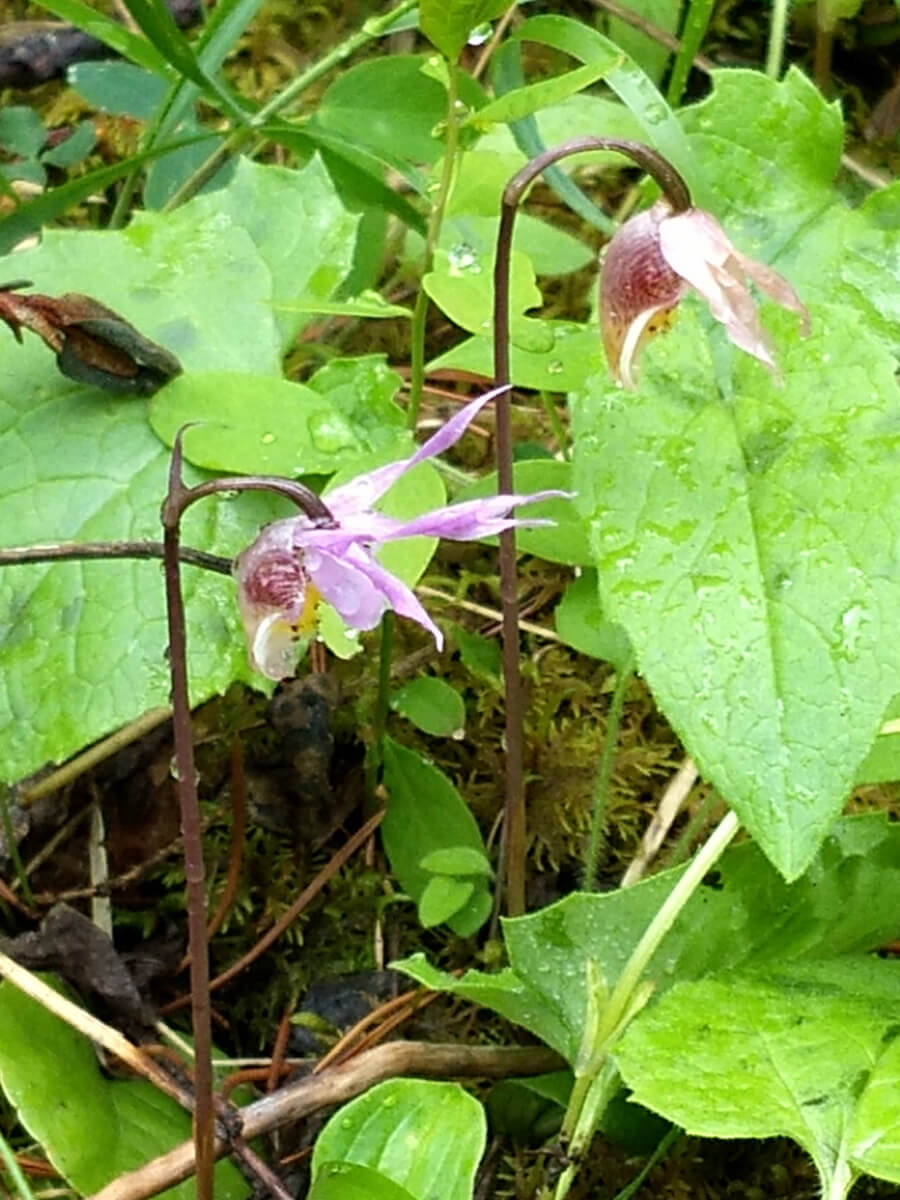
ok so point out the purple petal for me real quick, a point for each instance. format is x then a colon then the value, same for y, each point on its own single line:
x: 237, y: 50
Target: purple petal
x: 472, y: 518
x: 361, y: 590
x: 347, y: 589
x: 364, y: 490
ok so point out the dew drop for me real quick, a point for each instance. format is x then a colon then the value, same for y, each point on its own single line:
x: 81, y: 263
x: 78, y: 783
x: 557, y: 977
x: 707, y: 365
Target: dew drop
x: 462, y: 259
x: 480, y: 34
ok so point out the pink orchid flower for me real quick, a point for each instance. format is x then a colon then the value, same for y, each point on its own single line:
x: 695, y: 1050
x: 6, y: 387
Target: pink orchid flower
x: 295, y: 563
x: 650, y: 263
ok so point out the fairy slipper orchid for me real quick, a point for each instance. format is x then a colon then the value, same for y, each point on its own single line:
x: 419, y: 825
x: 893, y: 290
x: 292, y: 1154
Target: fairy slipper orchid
x: 295, y: 563
x: 650, y: 263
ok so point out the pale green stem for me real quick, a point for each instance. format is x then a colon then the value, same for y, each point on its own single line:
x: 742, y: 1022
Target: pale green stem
x: 592, y: 1084
x: 700, y: 864
x: 604, y: 774
x: 601, y: 1089
x: 839, y: 1182
x: 777, y: 34
x: 16, y: 1174
x: 375, y: 755
x: 370, y: 31
x: 559, y: 431
x: 666, y: 1142
x: 435, y: 221
x: 126, y: 192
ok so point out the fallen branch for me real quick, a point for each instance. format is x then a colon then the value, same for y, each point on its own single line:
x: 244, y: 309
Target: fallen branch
x: 334, y: 1086
x: 45, y: 49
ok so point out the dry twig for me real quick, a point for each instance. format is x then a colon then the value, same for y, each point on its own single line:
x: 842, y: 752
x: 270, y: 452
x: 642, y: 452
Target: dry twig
x: 338, y: 1084
x: 670, y: 806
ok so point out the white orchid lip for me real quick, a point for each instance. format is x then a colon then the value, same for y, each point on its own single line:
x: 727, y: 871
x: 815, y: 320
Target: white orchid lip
x: 651, y: 262
x: 294, y: 563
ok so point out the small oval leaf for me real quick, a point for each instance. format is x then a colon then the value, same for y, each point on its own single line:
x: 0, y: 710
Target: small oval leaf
x: 432, y: 705
x: 442, y: 898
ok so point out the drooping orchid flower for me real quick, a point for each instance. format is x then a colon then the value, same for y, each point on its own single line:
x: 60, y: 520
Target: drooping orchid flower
x: 295, y: 563
x: 652, y: 260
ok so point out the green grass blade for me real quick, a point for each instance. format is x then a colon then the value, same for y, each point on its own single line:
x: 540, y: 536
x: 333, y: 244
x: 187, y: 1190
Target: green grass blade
x: 634, y: 88
x: 507, y: 74
x: 16, y: 1174
x: 29, y: 218
x: 226, y: 23
x: 696, y: 24
x: 157, y: 23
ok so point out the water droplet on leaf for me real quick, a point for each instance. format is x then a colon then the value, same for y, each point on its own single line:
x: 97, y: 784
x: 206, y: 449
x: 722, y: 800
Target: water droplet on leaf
x: 480, y: 34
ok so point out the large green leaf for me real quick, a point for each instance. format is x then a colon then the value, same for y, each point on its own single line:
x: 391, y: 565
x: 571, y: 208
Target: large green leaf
x: 303, y: 233
x: 773, y: 149
x: 92, y: 1128
x: 808, y: 1050
x: 426, y: 1137
x: 392, y: 108
x: 745, y: 915
x: 736, y: 547
x: 732, y: 538
x: 82, y: 646
x: 773, y: 188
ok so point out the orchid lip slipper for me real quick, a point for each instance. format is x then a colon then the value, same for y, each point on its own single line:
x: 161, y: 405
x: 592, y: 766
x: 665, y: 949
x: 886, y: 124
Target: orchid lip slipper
x: 297, y: 562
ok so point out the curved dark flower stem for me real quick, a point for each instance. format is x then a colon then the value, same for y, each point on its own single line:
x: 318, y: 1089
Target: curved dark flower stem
x: 175, y: 503
x: 676, y: 192
x: 435, y: 221
x: 178, y: 499
x: 314, y: 507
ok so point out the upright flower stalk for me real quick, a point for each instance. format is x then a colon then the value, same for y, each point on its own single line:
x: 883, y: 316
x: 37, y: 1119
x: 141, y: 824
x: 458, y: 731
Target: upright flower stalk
x: 651, y: 261
x: 674, y: 186
x: 178, y: 499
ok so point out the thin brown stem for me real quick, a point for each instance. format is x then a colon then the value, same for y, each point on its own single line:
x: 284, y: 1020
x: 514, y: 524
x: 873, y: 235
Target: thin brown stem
x: 290, y: 915
x: 260, y: 1169
x: 194, y: 870
x: 676, y: 192
x: 305, y: 499
x: 279, y: 1049
x: 670, y: 181
x: 79, y: 551
x: 235, y: 854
